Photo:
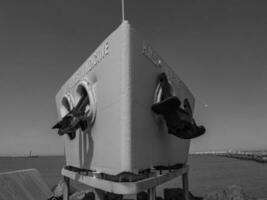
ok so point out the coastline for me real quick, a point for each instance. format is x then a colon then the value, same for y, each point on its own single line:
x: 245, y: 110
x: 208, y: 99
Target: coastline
x: 257, y: 156
x: 207, y: 173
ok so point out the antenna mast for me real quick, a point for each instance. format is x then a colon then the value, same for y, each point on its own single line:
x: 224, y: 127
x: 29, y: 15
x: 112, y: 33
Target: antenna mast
x: 122, y: 10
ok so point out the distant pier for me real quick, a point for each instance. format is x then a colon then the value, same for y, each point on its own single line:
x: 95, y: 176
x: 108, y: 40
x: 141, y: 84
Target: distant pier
x: 257, y: 156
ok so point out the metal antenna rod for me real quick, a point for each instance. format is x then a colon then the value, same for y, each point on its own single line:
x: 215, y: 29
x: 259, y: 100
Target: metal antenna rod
x: 122, y: 9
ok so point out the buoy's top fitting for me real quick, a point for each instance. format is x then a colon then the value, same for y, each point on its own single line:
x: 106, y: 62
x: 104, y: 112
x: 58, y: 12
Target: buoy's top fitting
x: 122, y: 10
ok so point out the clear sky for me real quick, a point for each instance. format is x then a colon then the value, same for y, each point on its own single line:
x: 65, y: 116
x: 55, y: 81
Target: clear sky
x: 217, y: 47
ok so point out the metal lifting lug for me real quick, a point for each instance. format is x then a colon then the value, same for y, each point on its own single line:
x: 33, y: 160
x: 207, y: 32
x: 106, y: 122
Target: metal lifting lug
x: 179, y: 121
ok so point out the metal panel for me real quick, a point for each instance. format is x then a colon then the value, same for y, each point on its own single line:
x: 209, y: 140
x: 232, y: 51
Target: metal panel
x: 125, y: 135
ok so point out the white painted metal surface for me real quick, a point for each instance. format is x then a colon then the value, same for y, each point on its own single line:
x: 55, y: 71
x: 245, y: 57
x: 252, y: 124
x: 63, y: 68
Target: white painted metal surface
x: 121, y: 76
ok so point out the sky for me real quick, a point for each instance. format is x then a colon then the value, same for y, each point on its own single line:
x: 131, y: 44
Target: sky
x: 218, y: 48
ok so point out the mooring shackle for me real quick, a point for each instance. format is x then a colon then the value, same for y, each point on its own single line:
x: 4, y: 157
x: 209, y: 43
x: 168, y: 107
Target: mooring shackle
x: 164, y: 88
x: 179, y: 120
x: 89, y: 109
x: 82, y: 115
x: 65, y: 109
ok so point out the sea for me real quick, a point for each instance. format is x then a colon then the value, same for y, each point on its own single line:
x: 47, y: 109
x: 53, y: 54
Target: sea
x: 207, y: 173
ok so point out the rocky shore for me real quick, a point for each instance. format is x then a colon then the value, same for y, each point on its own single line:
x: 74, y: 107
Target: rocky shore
x: 262, y: 158
x: 232, y: 192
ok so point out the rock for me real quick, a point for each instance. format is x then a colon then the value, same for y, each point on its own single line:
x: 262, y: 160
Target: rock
x: 58, y: 189
x: 142, y: 196
x: 83, y: 195
x: 89, y: 196
x: 159, y: 198
x: 112, y: 196
x: 173, y: 194
x: 178, y: 194
x: 229, y: 193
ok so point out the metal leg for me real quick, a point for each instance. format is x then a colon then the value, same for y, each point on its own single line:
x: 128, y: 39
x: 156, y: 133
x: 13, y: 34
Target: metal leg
x: 152, y: 193
x: 66, y: 188
x: 99, y: 194
x: 115, y: 187
x: 185, y: 185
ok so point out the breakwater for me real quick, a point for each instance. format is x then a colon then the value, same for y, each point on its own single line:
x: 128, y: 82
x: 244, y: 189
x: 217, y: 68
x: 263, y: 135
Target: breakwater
x: 257, y: 156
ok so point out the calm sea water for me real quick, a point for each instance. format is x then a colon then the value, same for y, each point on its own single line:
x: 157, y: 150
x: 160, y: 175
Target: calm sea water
x: 207, y: 173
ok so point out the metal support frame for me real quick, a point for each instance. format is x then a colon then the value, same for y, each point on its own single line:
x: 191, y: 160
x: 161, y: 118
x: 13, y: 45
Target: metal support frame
x: 152, y: 193
x: 66, y: 188
x: 185, y: 185
x: 150, y: 184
